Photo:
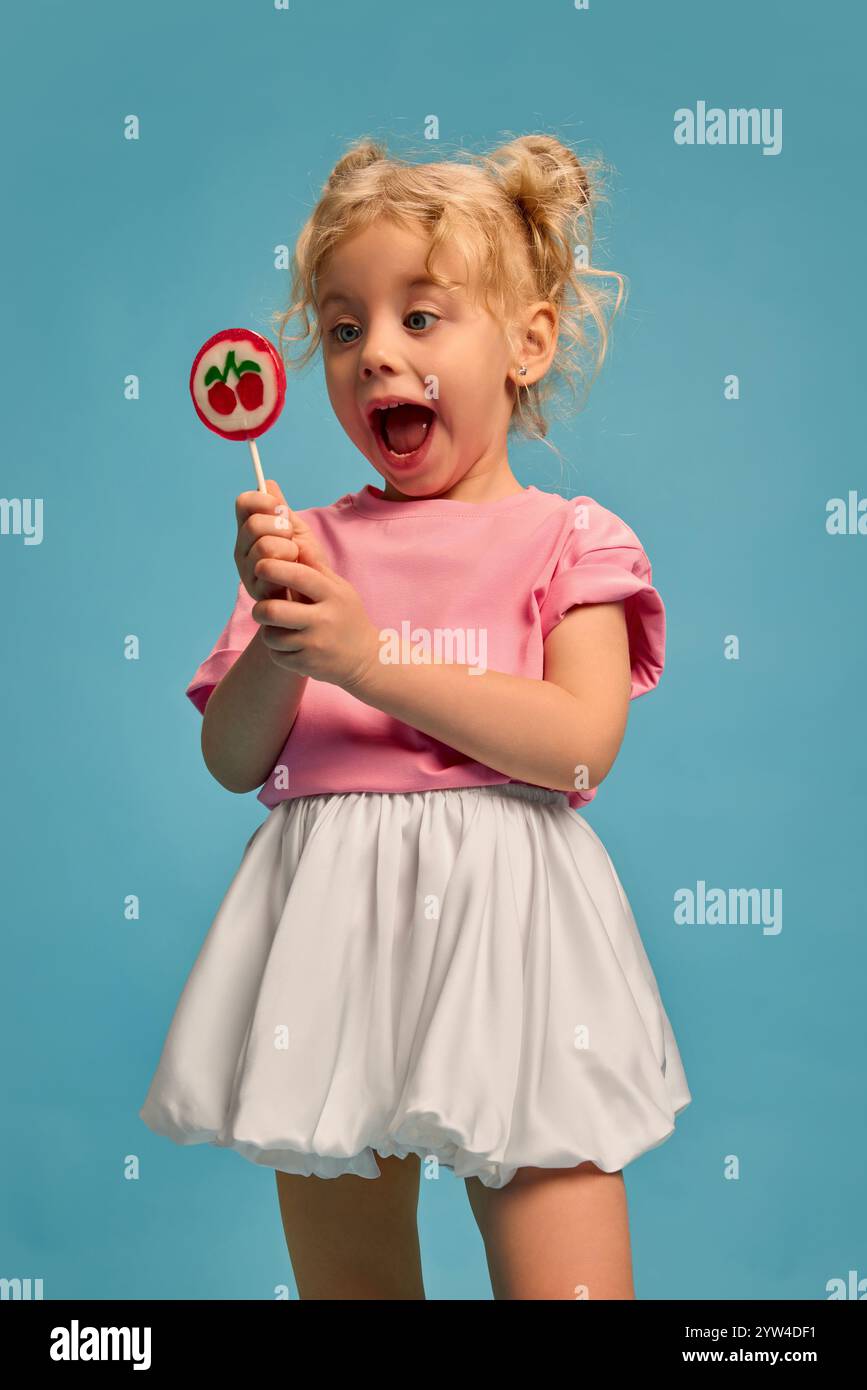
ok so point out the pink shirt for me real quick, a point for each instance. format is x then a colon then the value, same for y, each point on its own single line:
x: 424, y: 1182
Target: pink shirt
x: 482, y: 584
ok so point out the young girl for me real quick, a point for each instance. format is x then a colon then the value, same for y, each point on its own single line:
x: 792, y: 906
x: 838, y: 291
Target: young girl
x: 426, y: 957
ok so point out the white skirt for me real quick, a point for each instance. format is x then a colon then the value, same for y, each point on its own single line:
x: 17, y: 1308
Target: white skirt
x: 451, y: 973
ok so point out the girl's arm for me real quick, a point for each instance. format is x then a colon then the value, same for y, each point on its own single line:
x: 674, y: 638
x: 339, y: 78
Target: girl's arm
x: 248, y: 718
x: 252, y: 710
x: 537, y: 731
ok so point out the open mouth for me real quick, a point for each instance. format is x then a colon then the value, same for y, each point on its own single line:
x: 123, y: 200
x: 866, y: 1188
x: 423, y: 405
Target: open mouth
x: 404, y: 432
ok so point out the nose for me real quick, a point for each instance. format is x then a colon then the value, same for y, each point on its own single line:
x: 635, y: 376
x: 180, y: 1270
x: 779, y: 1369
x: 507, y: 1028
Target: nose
x: 381, y: 351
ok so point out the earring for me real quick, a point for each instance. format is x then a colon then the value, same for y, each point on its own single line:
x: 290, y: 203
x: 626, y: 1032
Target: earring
x: 522, y: 371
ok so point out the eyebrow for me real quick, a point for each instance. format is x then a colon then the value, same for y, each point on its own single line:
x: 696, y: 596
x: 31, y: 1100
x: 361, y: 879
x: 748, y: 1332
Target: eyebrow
x: 334, y: 296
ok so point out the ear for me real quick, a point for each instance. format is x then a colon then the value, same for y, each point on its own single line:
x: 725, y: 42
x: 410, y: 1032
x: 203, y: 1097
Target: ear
x: 538, y: 330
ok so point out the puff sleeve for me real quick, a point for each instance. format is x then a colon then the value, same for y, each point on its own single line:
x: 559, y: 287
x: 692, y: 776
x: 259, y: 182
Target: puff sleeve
x: 602, y: 560
x: 232, y: 641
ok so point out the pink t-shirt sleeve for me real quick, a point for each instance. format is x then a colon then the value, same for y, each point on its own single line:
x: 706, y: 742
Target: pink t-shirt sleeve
x: 232, y: 641
x: 602, y: 561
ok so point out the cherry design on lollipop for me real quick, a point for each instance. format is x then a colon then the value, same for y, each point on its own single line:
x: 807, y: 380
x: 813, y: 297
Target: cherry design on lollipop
x: 249, y: 390
x: 238, y: 386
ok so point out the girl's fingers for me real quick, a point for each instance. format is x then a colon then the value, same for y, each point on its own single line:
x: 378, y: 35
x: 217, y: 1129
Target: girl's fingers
x: 287, y: 547
x: 261, y: 524
x: 261, y: 515
x: 281, y: 613
x: 265, y: 589
x: 248, y: 503
x: 289, y: 574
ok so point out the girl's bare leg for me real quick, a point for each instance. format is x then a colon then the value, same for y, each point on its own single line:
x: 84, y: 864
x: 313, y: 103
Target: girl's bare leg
x: 352, y: 1237
x: 556, y: 1233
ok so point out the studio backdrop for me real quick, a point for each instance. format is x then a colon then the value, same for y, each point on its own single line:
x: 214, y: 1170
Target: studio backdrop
x: 161, y: 160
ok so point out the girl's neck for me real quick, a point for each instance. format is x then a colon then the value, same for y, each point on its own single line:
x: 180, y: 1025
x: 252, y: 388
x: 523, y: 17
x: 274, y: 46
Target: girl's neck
x: 478, y: 488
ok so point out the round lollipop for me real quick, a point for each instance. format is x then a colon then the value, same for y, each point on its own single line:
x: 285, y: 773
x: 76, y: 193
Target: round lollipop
x: 238, y: 386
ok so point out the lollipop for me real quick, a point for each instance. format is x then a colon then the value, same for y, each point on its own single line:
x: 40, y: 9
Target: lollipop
x: 238, y: 386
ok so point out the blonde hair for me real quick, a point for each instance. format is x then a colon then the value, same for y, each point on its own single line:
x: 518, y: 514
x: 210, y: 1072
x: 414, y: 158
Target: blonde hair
x: 519, y: 215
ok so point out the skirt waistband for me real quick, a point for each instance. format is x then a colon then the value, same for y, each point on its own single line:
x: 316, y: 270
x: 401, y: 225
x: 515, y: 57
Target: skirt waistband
x: 523, y: 790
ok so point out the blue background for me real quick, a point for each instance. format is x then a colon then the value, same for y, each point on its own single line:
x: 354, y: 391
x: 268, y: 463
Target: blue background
x: 122, y: 257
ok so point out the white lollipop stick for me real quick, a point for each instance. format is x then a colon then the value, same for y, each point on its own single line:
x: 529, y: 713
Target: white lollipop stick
x: 257, y: 465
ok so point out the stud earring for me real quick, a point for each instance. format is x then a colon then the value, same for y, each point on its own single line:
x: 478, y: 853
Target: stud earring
x: 522, y: 371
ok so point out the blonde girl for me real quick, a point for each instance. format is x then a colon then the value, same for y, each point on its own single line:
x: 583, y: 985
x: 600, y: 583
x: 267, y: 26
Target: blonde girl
x: 425, y: 959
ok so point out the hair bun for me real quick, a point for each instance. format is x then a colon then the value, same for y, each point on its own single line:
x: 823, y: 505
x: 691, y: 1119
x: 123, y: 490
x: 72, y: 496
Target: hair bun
x: 358, y: 156
x: 544, y: 178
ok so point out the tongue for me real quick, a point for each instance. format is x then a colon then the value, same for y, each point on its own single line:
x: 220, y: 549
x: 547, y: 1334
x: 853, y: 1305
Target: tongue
x: 404, y: 427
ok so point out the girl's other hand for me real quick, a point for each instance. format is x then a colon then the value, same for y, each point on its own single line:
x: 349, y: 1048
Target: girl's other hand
x: 269, y: 529
x: 331, y: 638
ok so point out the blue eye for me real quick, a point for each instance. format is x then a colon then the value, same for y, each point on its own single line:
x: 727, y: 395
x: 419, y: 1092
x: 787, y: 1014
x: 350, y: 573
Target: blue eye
x: 414, y: 313
x: 423, y: 313
x: 336, y: 329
